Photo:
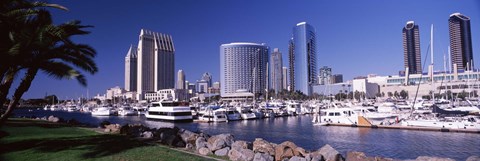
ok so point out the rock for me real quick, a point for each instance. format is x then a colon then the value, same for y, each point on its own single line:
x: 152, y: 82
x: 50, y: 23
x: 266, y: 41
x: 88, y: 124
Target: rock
x: 147, y: 134
x: 200, y: 143
x: 286, y: 149
x: 220, y: 141
x: 169, y: 137
x: 300, y: 151
x: 241, y: 154
x: 188, y: 136
x: 296, y: 158
x: 262, y: 157
x: 113, y: 128
x: 189, y: 146
x: 260, y: 145
x: 53, y: 119
x: 429, y: 158
x: 222, y: 152
x: 134, y: 130
x: 473, y: 158
x: 204, y: 151
x: 103, y: 124
x: 329, y: 154
x: 240, y: 144
x: 356, y: 156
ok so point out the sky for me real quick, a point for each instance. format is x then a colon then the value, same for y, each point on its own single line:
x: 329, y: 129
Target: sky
x: 354, y: 38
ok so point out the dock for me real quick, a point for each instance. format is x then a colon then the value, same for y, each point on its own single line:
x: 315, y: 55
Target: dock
x: 406, y: 128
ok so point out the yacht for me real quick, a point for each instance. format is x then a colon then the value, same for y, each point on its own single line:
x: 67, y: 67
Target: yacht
x: 293, y: 108
x: 102, y: 111
x: 126, y: 111
x: 246, y: 113
x: 211, y: 115
x: 337, y: 115
x: 169, y: 111
x: 140, y: 108
x: 375, y: 118
x: 445, y: 123
x: 386, y: 107
x: 233, y: 115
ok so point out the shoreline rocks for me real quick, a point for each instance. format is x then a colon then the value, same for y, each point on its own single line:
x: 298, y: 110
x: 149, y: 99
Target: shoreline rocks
x: 225, y: 145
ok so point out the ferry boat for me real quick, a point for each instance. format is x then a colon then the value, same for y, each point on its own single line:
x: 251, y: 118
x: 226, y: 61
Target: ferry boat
x: 169, y: 111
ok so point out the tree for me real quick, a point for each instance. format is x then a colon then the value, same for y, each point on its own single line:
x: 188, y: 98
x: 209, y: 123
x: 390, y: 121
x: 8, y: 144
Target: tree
x: 43, y: 46
x: 396, y: 94
x: 390, y: 94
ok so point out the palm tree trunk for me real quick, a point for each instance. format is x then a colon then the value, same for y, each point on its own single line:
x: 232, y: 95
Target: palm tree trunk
x: 6, y: 84
x: 22, y: 88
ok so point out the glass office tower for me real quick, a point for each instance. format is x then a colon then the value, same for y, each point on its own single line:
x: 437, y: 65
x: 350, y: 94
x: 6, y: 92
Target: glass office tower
x: 302, y: 58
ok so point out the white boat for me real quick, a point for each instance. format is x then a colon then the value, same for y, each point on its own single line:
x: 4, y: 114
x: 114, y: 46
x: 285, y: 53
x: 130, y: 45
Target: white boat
x: 214, y: 116
x: 126, y: 111
x: 337, y: 115
x: 293, y: 108
x: 102, y: 111
x: 464, y: 123
x: 54, y: 108
x: 386, y: 107
x: 375, y: 118
x: 140, y: 108
x: 466, y: 107
x: 169, y: 111
x: 233, y: 115
x: 71, y: 107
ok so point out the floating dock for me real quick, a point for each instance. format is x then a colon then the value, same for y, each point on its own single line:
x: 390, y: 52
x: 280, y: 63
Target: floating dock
x: 405, y: 128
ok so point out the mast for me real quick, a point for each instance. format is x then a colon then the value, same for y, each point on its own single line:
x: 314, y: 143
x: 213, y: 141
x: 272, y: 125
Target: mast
x: 431, y: 63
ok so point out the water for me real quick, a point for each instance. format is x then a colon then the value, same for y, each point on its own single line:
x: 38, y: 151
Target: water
x: 392, y: 143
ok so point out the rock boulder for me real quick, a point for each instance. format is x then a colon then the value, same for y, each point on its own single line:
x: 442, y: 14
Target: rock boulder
x: 220, y: 141
x: 222, y: 152
x: 328, y: 153
x: 429, y: 158
x: 113, y: 128
x: 204, y: 151
x: 262, y: 157
x: 241, y: 155
x: 260, y: 145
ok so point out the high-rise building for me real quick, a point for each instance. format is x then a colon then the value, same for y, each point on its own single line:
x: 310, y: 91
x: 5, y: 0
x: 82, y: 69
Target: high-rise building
x: 336, y: 78
x: 131, y: 69
x: 276, y: 73
x: 156, y: 62
x: 181, y: 80
x: 285, y: 78
x: 243, y: 66
x: 325, y: 75
x: 207, y: 77
x: 411, y: 48
x: 460, y: 41
x: 302, y: 58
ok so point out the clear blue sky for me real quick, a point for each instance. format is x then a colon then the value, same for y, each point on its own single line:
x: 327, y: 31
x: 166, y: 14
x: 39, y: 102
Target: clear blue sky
x: 353, y: 37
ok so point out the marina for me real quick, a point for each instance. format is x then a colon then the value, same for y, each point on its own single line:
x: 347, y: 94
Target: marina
x: 395, y: 143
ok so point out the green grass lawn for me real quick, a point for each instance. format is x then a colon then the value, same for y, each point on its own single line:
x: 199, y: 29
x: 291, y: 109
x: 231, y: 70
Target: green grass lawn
x: 37, y: 140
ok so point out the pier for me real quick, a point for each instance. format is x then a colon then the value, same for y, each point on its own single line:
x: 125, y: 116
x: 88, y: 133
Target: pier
x: 405, y: 128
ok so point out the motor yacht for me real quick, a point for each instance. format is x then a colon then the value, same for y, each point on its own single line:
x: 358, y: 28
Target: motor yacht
x: 169, y: 111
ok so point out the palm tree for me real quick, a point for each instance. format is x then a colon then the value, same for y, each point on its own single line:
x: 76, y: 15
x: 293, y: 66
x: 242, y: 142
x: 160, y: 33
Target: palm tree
x: 15, y: 19
x: 43, y: 46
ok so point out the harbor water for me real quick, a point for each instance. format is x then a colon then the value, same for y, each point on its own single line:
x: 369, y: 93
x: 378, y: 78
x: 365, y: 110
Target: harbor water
x: 392, y: 143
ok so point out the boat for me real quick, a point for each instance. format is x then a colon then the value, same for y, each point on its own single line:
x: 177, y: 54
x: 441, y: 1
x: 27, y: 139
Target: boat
x: 246, y: 113
x: 293, y: 108
x: 386, y: 107
x: 126, y: 111
x: 211, y: 115
x: 233, y: 115
x: 169, y: 111
x: 374, y: 117
x: 102, y: 111
x: 337, y: 115
x: 444, y: 123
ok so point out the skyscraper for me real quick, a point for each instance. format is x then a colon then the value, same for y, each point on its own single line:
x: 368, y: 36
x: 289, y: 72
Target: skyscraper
x: 156, y: 62
x: 243, y: 66
x: 302, y: 58
x: 276, y: 75
x: 207, y: 77
x: 181, y: 80
x: 325, y: 75
x: 460, y: 40
x: 285, y: 78
x: 131, y: 69
x: 411, y: 48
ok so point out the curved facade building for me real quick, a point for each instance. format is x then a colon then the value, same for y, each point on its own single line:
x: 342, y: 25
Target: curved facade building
x: 460, y: 40
x: 302, y: 58
x: 243, y: 66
